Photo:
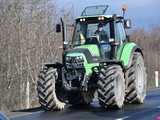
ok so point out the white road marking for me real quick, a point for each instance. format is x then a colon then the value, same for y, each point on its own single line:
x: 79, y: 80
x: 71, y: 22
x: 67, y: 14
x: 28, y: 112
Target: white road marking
x: 123, y: 118
x: 22, y: 115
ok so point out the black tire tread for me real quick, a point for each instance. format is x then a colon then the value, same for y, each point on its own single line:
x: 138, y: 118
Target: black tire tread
x: 131, y: 94
x: 106, y: 94
x: 46, y: 90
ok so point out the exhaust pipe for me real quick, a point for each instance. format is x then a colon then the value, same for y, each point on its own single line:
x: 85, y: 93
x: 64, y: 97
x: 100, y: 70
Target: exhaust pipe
x: 64, y: 34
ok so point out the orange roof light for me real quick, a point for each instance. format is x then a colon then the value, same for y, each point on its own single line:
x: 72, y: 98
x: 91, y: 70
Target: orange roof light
x: 124, y: 7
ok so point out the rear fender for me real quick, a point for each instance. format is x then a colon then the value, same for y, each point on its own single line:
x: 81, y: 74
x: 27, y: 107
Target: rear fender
x: 125, y: 53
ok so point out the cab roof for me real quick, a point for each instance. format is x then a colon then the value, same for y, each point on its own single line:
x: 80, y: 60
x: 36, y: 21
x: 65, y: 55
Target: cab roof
x: 96, y: 17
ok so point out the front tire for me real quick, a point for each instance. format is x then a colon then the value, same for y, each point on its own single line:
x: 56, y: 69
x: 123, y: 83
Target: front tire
x: 137, y: 81
x: 46, y: 88
x: 111, y: 91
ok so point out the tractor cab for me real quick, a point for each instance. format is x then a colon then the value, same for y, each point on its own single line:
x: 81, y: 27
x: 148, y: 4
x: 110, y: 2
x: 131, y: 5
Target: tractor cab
x: 97, y: 31
x: 94, y: 28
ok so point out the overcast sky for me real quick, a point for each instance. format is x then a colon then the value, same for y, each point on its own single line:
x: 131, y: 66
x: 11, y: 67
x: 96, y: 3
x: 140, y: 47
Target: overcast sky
x: 144, y: 13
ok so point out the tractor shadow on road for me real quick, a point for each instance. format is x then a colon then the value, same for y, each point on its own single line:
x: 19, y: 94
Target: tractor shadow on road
x: 94, y: 108
x: 109, y: 112
x: 35, y: 109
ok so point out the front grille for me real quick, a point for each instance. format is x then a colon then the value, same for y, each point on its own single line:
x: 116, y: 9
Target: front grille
x: 74, y: 74
x: 74, y: 65
x: 74, y: 62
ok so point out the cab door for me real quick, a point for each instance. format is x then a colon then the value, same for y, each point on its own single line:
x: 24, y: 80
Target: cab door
x: 120, y: 34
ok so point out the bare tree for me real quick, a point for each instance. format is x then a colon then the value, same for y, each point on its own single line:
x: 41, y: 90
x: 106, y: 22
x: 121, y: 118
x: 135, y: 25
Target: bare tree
x: 149, y: 41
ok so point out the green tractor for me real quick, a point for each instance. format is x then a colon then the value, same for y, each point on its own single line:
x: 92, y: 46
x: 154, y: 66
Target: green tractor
x: 100, y: 59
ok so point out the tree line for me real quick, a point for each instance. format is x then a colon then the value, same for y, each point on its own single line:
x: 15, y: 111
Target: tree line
x: 149, y: 41
x: 27, y: 40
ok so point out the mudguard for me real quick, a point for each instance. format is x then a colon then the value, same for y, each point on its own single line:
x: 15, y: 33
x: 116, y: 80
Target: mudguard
x: 125, y: 53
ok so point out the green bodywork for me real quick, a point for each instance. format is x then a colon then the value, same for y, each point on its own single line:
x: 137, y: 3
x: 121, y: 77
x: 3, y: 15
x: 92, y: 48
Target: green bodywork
x: 88, y: 66
x: 123, y: 54
x: 93, y: 49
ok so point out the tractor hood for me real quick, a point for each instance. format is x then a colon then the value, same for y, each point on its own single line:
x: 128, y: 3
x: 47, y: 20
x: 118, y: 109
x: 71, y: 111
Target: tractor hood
x: 89, y: 53
x: 93, y: 49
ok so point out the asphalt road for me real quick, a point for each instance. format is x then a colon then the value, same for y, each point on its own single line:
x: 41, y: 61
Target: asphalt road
x: 150, y: 110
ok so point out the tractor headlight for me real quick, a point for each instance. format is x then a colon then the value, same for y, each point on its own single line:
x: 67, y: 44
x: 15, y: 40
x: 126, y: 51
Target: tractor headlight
x: 79, y: 59
x: 68, y: 59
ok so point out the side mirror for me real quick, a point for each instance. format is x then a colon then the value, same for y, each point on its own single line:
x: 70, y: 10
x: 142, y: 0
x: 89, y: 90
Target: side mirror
x: 58, y: 28
x: 127, y: 23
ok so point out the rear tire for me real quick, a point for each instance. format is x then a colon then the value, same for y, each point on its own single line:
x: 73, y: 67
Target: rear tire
x: 137, y: 81
x: 46, y: 88
x: 111, y: 91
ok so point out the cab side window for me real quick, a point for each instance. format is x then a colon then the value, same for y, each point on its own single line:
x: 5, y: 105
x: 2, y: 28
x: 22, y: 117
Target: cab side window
x: 120, y: 34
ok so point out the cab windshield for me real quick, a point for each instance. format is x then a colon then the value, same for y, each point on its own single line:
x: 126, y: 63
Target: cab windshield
x: 85, y: 31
